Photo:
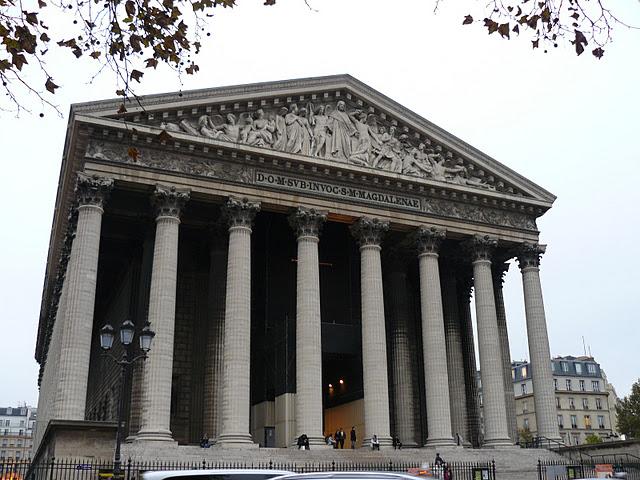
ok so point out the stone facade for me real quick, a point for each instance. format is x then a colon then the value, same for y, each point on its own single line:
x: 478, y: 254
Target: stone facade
x: 302, y: 249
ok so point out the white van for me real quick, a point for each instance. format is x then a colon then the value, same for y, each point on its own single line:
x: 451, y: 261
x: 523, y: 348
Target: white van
x: 214, y: 474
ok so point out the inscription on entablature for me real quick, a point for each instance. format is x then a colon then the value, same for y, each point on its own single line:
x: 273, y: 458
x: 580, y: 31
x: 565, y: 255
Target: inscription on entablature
x: 316, y: 187
x: 164, y: 160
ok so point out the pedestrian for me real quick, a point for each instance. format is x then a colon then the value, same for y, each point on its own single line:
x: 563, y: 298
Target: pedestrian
x: 438, y: 462
x: 353, y: 437
x: 303, y: 442
x: 448, y: 475
x: 342, y: 438
x: 397, y: 444
x: 204, y: 443
x: 375, y: 443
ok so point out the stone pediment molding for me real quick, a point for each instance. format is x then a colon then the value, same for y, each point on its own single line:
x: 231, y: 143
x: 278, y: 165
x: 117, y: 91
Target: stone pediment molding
x: 333, y: 119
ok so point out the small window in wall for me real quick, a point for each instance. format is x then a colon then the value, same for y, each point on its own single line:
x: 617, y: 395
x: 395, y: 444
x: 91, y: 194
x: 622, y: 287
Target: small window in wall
x: 587, y: 422
x: 585, y: 403
x: 599, y: 403
x: 582, y: 389
x: 525, y: 407
x: 558, y: 404
x: 565, y: 366
x: 578, y: 367
x: 555, y: 383
x: 7, y: 423
x: 576, y: 439
x: 595, y: 386
x: 513, y: 374
x: 601, y: 421
x: 591, y: 368
x: 572, y: 404
x: 523, y: 371
x: 526, y: 423
x: 567, y: 383
x: 560, y: 421
x: 523, y: 386
x: 574, y: 421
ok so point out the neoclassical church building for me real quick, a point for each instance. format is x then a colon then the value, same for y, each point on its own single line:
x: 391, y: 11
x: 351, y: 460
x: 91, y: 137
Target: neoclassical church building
x: 305, y: 252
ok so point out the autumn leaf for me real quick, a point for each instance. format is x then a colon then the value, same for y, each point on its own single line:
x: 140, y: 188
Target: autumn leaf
x: 491, y: 25
x: 535, y: 43
x: 50, y: 86
x: 580, y: 42
x: 95, y: 54
x: 134, y: 153
x: 503, y: 30
x: 151, y: 62
x: 467, y: 20
x: 136, y: 75
x: 598, y: 52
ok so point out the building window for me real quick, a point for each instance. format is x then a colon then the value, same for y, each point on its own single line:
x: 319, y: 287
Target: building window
x: 578, y: 367
x: 567, y: 383
x: 513, y: 374
x: 582, y: 389
x: 4, y: 442
x: 565, y: 366
x: 22, y: 423
x: 523, y: 386
x: 9, y: 410
x: 600, y: 421
x: 523, y: 371
x: 560, y: 421
x: 591, y: 368
x: 599, y: 403
x: 7, y: 423
x: 576, y: 439
x: 3, y: 453
x: 526, y: 424
x: 525, y: 407
x: 6, y: 431
x: 17, y: 455
x: 572, y: 404
x: 585, y: 403
x: 587, y: 422
x: 21, y: 432
x: 558, y: 404
x: 595, y: 386
x: 574, y: 421
x: 555, y: 383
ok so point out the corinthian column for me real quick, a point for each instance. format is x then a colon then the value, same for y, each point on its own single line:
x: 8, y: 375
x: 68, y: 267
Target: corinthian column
x: 214, y: 366
x: 499, y: 269
x: 428, y: 240
x: 237, y: 325
x: 369, y: 233
x: 495, y: 420
x: 308, y: 405
x: 542, y: 376
x: 80, y: 295
x: 403, y: 373
x: 158, y: 367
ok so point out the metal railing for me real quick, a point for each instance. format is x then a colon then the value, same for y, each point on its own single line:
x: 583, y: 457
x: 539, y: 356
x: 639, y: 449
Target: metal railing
x: 70, y: 469
x: 570, y: 470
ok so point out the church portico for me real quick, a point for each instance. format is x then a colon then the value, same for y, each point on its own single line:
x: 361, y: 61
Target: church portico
x: 293, y: 289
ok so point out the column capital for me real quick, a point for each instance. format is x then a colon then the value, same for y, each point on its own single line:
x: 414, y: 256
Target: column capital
x: 369, y: 231
x: 429, y: 239
x: 92, y: 189
x: 498, y: 271
x: 528, y: 254
x: 240, y: 212
x: 481, y: 247
x: 307, y: 222
x: 169, y: 200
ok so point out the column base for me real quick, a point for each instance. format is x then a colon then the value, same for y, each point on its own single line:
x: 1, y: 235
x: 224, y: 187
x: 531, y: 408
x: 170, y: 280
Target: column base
x: 236, y: 440
x: 498, y: 442
x: 440, y: 442
x: 154, y: 436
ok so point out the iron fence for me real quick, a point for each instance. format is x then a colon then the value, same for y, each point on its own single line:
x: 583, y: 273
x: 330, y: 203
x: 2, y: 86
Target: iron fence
x: 69, y: 469
x: 614, y: 466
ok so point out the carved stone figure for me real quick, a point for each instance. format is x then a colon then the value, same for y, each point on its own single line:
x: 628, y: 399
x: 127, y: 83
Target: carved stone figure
x: 342, y: 129
x: 416, y: 162
x: 318, y: 121
x: 442, y: 172
x: 261, y: 133
x: 295, y: 130
x: 229, y: 132
x: 280, y: 142
x: 363, y: 139
x: 390, y: 151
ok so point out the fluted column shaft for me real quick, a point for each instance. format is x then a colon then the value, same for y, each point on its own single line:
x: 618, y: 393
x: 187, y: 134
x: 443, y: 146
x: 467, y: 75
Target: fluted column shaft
x: 308, y: 405
x: 374, y: 343
x: 455, y: 358
x: 495, y: 420
x: 433, y: 339
x: 214, y: 368
x: 539, y: 353
x: 81, y: 276
x: 402, y: 336
x: 237, y: 326
x: 509, y: 399
x: 158, y: 367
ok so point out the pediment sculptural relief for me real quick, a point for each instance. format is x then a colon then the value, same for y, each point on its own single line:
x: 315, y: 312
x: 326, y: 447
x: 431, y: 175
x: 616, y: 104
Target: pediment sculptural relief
x: 333, y: 132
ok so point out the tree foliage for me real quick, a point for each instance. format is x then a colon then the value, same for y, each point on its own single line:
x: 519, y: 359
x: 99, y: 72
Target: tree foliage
x: 628, y: 411
x: 592, y: 439
x: 130, y: 36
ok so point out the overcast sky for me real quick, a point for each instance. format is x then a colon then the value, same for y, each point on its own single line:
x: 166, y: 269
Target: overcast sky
x: 568, y: 123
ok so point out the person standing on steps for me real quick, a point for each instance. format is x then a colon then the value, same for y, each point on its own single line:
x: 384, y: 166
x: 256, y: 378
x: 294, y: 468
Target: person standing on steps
x: 343, y: 437
x: 438, y: 462
x: 353, y: 437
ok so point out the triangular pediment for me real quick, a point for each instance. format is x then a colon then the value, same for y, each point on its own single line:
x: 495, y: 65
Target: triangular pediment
x: 337, y: 119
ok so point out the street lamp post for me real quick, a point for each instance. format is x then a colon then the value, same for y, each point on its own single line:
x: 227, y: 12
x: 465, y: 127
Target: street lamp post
x: 127, y: 333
